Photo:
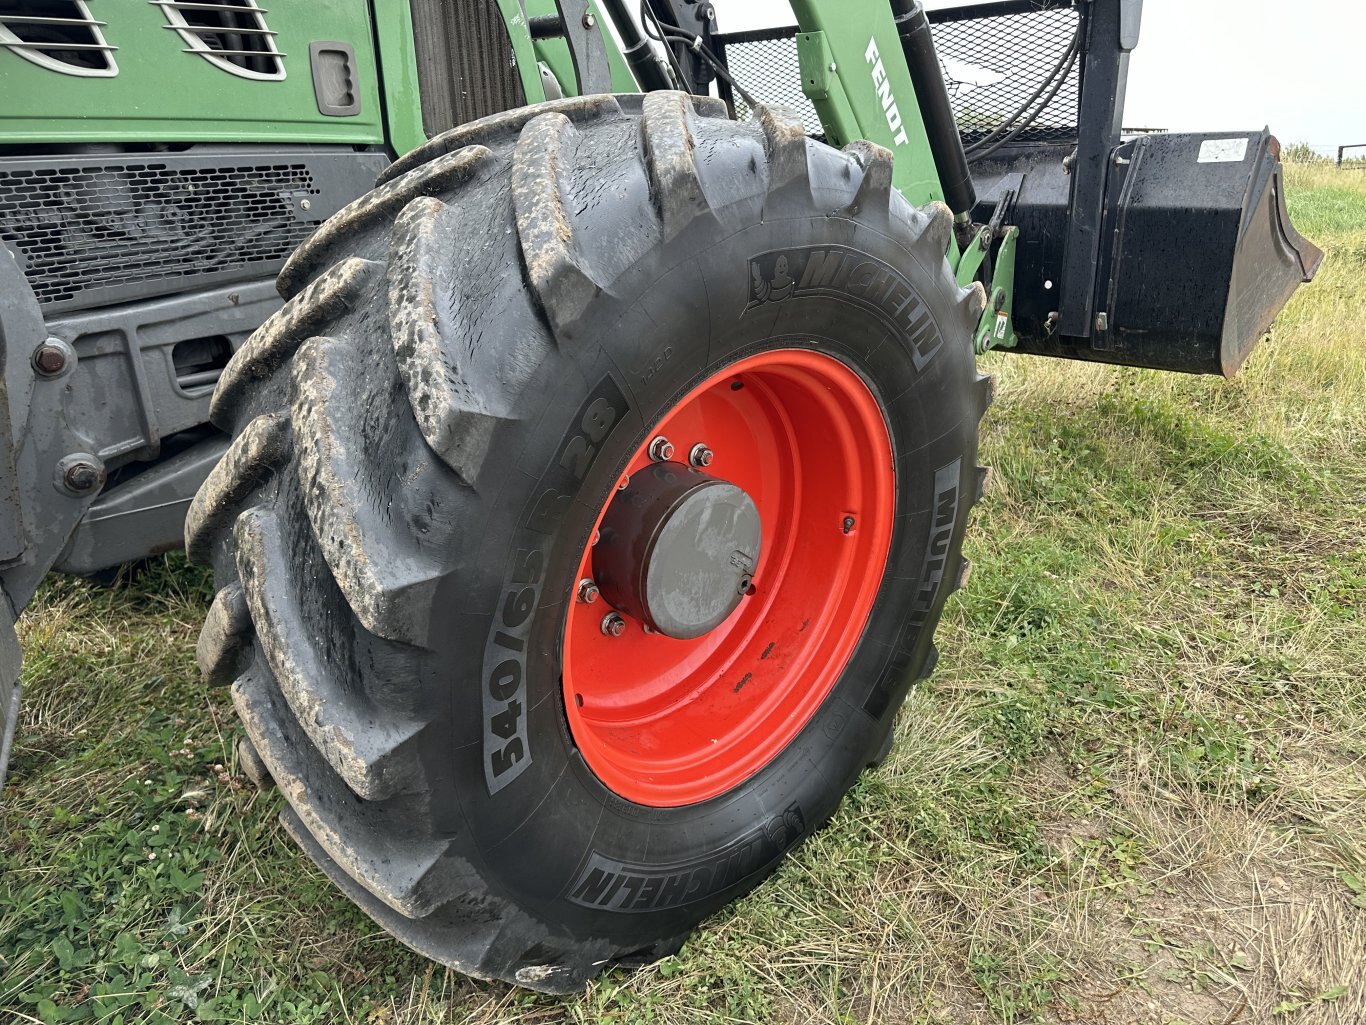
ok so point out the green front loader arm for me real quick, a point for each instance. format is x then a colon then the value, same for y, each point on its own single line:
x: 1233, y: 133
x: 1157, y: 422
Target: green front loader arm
x: 854, y: 72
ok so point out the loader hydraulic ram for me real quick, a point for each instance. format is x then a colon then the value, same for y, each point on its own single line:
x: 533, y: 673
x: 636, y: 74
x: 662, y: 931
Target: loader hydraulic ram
x: 582, y: 509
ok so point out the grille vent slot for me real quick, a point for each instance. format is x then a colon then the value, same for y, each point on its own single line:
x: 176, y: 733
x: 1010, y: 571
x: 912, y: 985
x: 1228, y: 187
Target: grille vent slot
x: 60, y: 35
x: 199, y: 362
x: 229, y: 34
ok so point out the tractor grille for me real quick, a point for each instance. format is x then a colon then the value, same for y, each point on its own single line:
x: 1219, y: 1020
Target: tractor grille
x: 466, y: 68
x: 60, y: 35
x: 86, y: 232
x: 229, y: 34
x: 994, y: 57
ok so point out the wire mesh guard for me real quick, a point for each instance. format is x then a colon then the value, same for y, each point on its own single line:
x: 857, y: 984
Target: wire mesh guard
x: 993, y: 66
x: 766, y: 65
x: 79, y: 229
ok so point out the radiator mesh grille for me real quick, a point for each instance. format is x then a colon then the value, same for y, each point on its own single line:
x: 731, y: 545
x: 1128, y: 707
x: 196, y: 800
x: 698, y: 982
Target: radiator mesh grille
x: 81, y: 230
x: 466, y: 66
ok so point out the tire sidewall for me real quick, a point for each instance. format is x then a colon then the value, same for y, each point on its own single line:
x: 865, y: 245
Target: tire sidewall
x: 549, y: 833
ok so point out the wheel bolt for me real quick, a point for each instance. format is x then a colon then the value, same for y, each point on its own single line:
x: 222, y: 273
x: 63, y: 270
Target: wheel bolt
x: 745, y: 584
x: 701, y: 456
x: 624, y: 483
x: 49, y: 360
x: 661, y: 450
x: 613, y: 625
x: 82, y: 477
x: 588, y: 592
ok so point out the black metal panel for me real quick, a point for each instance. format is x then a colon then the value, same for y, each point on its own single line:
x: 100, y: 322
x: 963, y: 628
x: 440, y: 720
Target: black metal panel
x: 1197, y: 253
x: 1040, y: 212
x: 91, y: 230
x: 466, y: 67
x: 1105, y: 76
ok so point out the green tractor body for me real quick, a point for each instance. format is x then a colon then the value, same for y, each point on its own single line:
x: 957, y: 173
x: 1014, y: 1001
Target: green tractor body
x: 161, y: 160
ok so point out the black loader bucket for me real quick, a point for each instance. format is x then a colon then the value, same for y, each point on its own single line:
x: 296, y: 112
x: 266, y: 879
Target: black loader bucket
x: 1197, y: 252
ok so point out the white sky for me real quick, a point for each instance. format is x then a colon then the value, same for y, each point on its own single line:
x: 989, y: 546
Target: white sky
x: 1215, y: 65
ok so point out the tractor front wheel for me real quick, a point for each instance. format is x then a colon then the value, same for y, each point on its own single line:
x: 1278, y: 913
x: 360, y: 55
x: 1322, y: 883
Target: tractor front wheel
x: 592, y: 503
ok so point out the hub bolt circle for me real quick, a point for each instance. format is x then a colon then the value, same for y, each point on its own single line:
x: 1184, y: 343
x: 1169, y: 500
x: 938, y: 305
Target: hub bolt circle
x: 588, y: 592
x: 701, y: 456
x: 661, y: 450
x: 613, y: 625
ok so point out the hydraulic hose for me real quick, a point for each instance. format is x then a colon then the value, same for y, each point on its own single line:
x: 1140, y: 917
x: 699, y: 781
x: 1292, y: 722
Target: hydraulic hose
x: 636, y: 49
x: 932, y: 96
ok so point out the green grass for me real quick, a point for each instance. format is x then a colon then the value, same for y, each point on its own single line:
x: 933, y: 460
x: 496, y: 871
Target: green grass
x: 1134, y: 791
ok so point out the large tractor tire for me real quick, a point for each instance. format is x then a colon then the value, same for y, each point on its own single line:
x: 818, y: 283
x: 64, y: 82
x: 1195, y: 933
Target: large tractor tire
x: 592, y: 503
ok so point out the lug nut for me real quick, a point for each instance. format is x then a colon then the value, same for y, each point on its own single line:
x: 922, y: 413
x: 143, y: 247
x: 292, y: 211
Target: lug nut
x: 661, y: 450
x: 49, y: 360
x: 701, y: 456
x: 613, y: 625
x: 82, y: 477
x: 588, y: 592
x: 624, y: 483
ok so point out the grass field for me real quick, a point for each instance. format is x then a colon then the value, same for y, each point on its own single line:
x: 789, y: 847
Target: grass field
x: 1135, y: 791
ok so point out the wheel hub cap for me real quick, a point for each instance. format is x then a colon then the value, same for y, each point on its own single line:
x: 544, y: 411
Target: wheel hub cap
x: 677, y: 550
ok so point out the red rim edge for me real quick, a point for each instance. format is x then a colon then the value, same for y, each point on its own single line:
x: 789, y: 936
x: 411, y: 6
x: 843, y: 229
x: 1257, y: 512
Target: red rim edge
x: 666, y: 722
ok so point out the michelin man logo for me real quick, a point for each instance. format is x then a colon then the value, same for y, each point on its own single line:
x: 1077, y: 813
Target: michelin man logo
x: 775, y: 289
